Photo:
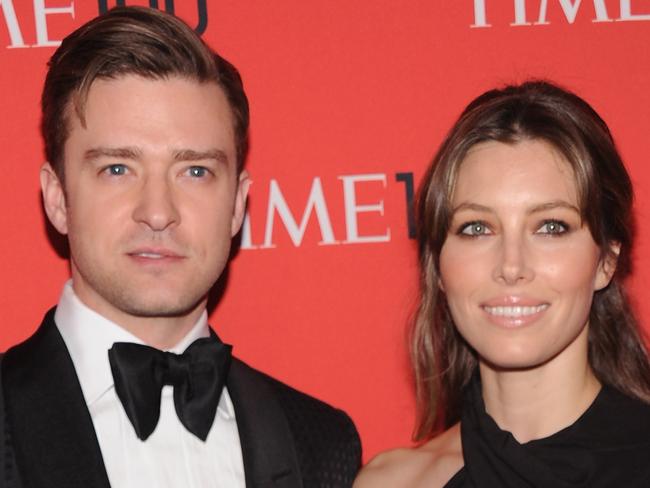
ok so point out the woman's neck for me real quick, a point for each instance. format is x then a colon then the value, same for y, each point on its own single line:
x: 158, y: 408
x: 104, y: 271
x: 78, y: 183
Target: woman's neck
x: 537, y: 402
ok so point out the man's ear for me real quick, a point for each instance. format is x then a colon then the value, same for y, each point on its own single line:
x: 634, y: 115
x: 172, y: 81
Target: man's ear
x: 243, y: 184
x: 607, y: 266
x: 54, y: 198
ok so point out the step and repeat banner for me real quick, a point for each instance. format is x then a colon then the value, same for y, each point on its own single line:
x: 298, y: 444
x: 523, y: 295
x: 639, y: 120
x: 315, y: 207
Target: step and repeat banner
x: 349, y: 101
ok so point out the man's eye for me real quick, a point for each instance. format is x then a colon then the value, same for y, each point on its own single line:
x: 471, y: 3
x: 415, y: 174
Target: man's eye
x: 474, y: 229
x: 553, y: 227
x: 197, y: 171
x: 116, y: 170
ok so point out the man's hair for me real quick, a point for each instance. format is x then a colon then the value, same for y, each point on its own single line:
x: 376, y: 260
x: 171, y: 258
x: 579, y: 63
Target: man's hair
x: 131, y: 41
x: 540, y: 111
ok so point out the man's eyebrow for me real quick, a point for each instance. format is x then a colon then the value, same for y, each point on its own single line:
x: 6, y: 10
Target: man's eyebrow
x: 193, y: 155
x: 112, y: 152
x: 135, y: 153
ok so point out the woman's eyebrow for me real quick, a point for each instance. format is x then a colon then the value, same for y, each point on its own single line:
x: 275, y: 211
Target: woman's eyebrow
x: 553, y: 205
x: 541, y: 207
x: 477, y: 207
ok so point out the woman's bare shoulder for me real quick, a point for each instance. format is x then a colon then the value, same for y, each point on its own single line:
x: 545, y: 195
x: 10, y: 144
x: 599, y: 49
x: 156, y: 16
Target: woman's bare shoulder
x: 432, y: 464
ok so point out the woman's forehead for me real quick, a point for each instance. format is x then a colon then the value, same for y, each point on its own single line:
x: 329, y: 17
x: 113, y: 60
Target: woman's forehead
x: 528, y: 170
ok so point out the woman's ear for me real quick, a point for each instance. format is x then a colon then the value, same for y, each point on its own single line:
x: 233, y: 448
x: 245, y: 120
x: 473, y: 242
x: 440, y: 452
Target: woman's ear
x: 607, y: 266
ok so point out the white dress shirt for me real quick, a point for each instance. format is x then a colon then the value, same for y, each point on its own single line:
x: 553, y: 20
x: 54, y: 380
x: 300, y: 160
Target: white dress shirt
x: 171, y: 457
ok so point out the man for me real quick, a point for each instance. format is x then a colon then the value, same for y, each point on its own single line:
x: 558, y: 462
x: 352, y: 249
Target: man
x: 145, y: 132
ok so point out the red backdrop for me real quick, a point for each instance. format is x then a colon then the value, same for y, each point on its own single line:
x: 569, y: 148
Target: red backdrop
x: 344, y: 97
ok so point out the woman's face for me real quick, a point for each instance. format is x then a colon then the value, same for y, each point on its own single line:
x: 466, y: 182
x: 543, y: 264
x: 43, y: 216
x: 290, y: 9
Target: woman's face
x: 518, y: 267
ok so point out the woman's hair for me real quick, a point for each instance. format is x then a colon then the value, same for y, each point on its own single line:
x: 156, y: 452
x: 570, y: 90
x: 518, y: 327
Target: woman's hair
x: 536, y: 110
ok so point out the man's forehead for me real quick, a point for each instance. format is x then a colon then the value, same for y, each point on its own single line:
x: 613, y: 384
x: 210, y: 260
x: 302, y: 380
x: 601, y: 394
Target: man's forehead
x: 79, y: 99
x: 102, y: 124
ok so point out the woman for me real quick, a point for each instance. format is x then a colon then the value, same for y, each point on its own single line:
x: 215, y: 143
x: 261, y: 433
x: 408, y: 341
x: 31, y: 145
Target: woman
x: 525, y: 349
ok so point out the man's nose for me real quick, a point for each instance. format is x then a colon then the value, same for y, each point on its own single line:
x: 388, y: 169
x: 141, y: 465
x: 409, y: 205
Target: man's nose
x: 156, y: 205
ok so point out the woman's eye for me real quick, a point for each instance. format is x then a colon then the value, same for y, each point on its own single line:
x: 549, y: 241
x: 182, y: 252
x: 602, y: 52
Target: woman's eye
x: 197, y: 171
x: 553, y: 227
x: 474, y: 229
x: 116, y: 170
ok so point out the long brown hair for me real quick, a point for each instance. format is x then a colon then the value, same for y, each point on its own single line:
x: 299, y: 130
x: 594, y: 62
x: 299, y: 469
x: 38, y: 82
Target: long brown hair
x: 443, y: 362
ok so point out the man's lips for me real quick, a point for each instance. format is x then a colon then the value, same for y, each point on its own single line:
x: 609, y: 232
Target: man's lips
x: 154, y: 254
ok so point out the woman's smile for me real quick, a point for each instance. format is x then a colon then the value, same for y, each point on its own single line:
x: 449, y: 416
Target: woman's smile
x: 518, y: 267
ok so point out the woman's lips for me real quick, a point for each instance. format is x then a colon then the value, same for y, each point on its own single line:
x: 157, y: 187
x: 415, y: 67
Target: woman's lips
x: 514, y: 312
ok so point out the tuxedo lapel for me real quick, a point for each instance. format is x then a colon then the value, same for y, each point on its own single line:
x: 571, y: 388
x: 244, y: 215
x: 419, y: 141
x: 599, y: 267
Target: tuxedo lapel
x: 267, y: 444
x: 54, y: 440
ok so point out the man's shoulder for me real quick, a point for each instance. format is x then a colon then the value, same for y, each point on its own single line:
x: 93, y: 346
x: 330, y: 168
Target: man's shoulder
x: 302, y: 408
x: 327, y: 442
x: 302, y: 403
x: 33, y: 343
x: 35, y: 355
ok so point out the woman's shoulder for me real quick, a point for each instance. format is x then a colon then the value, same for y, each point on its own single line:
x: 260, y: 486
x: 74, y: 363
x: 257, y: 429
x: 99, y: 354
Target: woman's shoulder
x: 618, y: 420
x: 431, y: 464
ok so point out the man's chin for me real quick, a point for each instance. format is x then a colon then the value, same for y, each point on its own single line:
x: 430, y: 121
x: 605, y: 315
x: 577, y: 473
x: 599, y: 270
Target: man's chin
x: 163, y: 305
x: 163, y: 309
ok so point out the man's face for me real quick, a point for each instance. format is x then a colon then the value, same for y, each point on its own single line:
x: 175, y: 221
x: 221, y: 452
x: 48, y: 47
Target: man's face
x: 152, y: 196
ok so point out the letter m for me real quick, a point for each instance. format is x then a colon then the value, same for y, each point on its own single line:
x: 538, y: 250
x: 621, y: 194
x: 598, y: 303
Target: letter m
x: 315, y: 203
x: 570, y: 9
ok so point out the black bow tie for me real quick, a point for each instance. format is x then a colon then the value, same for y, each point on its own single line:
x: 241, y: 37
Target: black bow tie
x: 198, y: 376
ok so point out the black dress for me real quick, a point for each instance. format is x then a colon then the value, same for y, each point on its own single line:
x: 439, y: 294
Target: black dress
x: 608, y: 446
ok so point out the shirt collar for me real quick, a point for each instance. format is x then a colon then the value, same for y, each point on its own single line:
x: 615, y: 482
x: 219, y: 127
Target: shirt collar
x: 88, y: 337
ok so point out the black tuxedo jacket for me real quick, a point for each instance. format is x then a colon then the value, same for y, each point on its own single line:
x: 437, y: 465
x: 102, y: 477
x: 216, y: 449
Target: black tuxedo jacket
x: 47, y: 439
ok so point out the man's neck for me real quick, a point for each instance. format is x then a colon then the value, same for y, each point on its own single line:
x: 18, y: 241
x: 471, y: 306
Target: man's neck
x: 161, y: 332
